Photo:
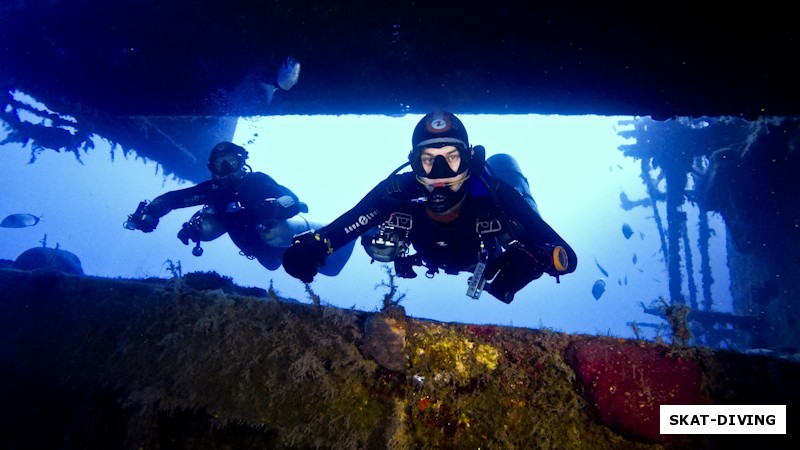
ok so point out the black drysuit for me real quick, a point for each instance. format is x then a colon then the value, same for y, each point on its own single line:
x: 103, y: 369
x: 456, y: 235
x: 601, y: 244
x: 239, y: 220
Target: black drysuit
x: 493, y: 214
x: 243, y: 207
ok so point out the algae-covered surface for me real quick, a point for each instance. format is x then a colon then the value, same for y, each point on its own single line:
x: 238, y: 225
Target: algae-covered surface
x: 116, y: 363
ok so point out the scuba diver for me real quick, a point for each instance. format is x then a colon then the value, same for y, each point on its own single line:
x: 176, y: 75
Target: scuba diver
x: 458, y: 211
x: 259, y: 215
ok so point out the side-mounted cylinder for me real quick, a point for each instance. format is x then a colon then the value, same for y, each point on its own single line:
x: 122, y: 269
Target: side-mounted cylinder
x: 505, y: 167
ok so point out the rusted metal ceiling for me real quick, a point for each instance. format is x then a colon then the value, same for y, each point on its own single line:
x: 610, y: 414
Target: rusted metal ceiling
x: 131, y: 60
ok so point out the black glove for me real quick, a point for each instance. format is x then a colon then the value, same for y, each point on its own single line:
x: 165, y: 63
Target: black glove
x: 188, y: 232
x: 404, y: 267
x: 307, y: 253
x: 147, y: 223
x: 140, y: 220
x: 514, y: 269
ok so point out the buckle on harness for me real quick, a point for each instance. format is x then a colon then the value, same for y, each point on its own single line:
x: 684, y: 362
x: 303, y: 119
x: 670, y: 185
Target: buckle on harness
x: 487, y: 226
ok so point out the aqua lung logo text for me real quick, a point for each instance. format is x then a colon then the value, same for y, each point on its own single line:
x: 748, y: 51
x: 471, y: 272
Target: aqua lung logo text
x: 362, y: 220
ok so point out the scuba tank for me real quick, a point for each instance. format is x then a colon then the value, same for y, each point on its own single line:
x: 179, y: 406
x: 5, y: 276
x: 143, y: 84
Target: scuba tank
x: 281, y: 234
x: 505, y: 167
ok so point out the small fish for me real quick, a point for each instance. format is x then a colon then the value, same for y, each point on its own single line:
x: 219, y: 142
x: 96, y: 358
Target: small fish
x: 598, y: 288
x: 20, y: 221
x: 635, y: 258
x: 602, y: 270
x: 627, y: 231
x: 288, y: 74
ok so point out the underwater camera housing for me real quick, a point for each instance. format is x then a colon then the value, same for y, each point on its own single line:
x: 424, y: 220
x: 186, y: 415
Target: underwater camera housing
x: 136, y: 219
x: 389, y: 242
x: 203, y: 226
